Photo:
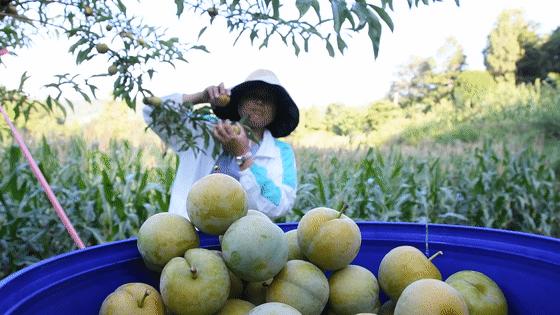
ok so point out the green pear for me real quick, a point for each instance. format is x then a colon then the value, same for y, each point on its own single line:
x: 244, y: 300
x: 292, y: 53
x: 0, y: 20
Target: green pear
x: 301, y: 285
x: 353, y: 290
x: 236, y: 307
x: 133, y: 298
x: 163, y: 236
x: 255, y: 292
x: 274, y: 308
x: 197, y: 283
x: 430, y: 296
x: 294, y: 252
x: 482, y: 294
x: 403, y: 265
x: 215, y: 202
x: 258, y: 213
x: 328, y: 238
x: 254, y: 248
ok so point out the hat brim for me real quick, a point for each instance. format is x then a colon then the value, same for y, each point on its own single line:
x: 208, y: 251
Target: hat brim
x: 287, y: 112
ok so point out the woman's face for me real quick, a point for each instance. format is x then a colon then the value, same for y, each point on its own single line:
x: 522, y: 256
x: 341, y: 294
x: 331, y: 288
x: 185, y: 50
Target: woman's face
x: 259, y: 108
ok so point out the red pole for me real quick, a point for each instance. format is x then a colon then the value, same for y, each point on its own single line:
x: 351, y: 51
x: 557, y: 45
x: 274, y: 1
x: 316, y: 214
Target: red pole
x: 39, y: 175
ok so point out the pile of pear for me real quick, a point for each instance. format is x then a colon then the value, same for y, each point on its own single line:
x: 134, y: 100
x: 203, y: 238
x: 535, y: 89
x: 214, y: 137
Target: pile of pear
x: 260, y: 269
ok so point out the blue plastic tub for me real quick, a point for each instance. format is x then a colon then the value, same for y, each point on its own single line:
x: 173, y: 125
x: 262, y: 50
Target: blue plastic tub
x: 525, y: 266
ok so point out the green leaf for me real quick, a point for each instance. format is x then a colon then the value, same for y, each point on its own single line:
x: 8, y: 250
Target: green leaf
x: 341, y: 44
x: 330, y: 48
x: 253, y: 35
x: 339, y: 14
x: 201, y: 47
x: 276, y: 8
x: 92, y: 88
x: 80, y: 42
x: 374, y: 33
x: 202, y: 31
x: 303, y: 6
x: 317, y: 7
x: 389, y: 2
x: 363, y: 13
x: 22, y: 80
x: 83, y: 55
x: 296, y: 47
x: 69, y: 103
x: 180, y: 7
x: 384, y: 16
x: 121, y: 6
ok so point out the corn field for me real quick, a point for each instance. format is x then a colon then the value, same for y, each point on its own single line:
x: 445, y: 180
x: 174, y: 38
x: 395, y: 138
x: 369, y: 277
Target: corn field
x: 107, y: 194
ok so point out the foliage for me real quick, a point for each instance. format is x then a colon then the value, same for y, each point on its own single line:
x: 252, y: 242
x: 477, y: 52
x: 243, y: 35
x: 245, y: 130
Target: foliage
x: 342, y: 120
x: 505, y: 44
x: 482, y: 188
x: 540, y: 59
x: 424, y: 81
x: 471, y: 87
x: 412, y: 84
x: 134, y: 50
x: 106, y: 194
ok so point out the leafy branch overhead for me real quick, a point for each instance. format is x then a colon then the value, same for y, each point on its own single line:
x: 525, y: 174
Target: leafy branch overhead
x: 134, y: 50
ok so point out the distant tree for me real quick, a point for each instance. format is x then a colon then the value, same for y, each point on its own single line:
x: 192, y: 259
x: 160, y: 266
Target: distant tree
x: 412, y: 84
x: 552, y: 52
x: 343, y: 120
x: 540, y: 59
x: 312, y: 118
x: 471, y: 86
x: 453, y: 56
x: 379, y: 113
x: 506, y: 44
x: 425, y: 81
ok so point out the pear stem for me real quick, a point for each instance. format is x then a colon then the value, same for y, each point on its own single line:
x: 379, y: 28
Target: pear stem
x: 141, y: 304
x: 342, y: 209
x: 193, y: 272
x: 435, y: 255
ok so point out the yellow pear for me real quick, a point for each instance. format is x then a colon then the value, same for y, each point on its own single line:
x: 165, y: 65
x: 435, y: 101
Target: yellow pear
x: 236, y: 307
x: 216, y: 201
x: 430, y: 296
x: 133, y: 298
x: 328, y: 238
x: 403, y: 265
x: 163, y: 236
x: 353, y: 290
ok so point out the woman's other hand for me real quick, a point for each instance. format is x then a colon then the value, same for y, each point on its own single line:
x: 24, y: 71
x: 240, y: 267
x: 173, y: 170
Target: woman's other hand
x: 232, y: 137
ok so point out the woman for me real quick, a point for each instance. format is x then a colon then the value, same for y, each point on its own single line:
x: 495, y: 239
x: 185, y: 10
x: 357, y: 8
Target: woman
x: 266, y: 168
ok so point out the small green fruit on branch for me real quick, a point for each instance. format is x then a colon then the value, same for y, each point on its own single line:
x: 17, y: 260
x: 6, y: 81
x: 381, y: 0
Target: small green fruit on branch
x: 112, y: 69
x: 152, y: 100
x: 102, y: 48
x: 88, y: 11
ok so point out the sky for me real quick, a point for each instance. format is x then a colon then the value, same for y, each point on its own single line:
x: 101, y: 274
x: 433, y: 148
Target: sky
x: 355, y: 78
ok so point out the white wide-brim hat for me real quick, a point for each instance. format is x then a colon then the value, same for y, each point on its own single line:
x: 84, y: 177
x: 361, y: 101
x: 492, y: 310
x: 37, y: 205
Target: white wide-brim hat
x: 287, y: 112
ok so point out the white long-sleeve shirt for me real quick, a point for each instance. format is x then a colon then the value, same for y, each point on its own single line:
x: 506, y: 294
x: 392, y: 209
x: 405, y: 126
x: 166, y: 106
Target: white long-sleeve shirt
x: 270, y: 182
